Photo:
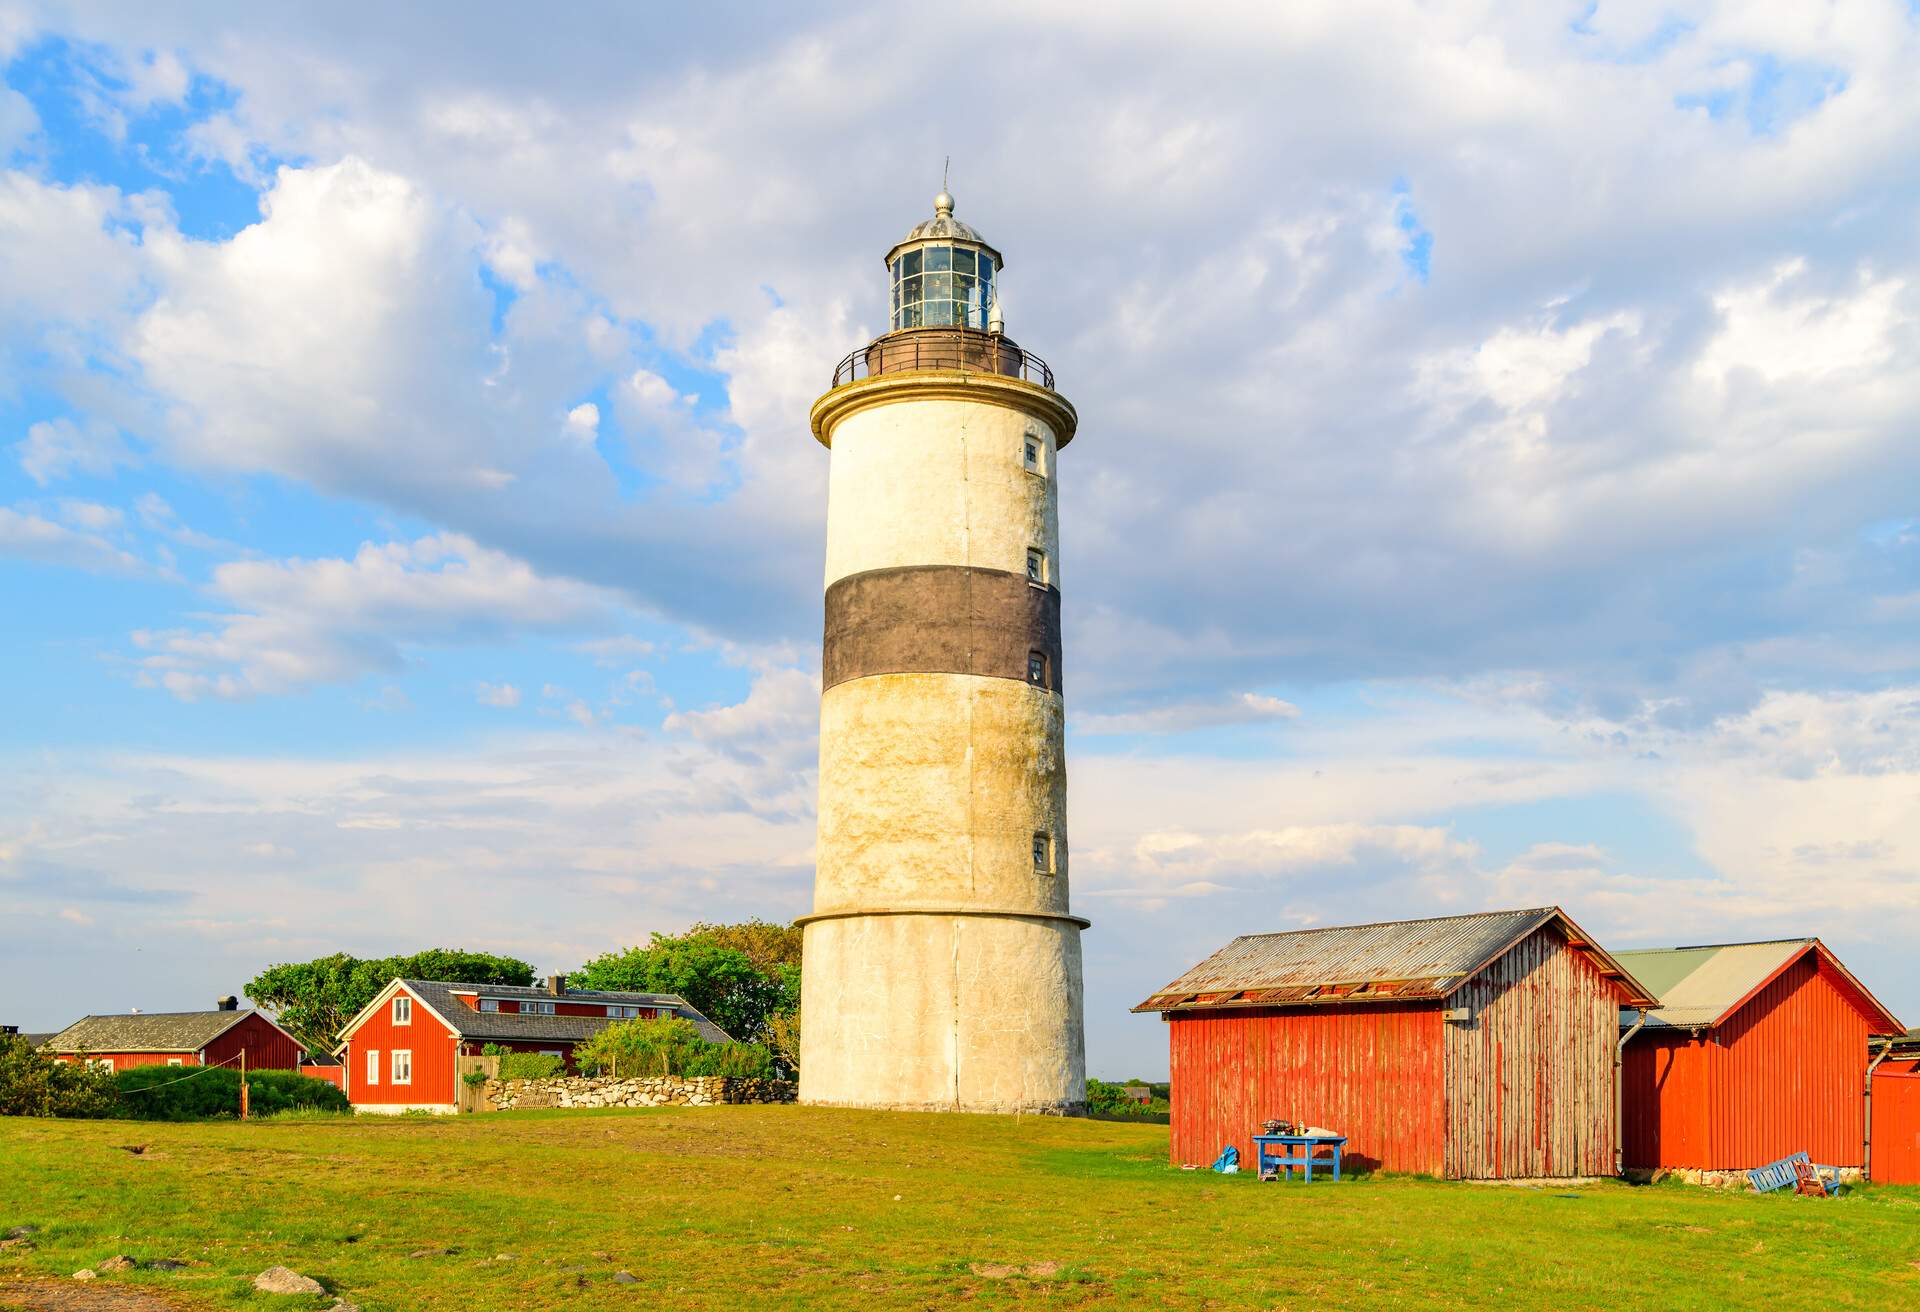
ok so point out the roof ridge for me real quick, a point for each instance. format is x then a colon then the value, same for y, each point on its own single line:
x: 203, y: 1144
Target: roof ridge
x: 1417, y: 920
x: 1808, y: 939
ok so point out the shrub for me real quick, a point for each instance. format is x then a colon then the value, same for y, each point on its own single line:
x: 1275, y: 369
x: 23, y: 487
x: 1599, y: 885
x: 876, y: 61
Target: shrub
x: 531, y: 1066
x: 175, y: 1093
x: 34, y: 1084
x: 670, y: 1046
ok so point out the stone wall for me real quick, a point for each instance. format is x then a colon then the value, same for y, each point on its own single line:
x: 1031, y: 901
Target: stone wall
x: 1717, y: 1179
x: 642, y: 1091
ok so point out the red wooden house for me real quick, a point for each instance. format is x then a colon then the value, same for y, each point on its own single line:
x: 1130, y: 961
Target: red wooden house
x: 1475, y: 1047
x: 403, y: 1051
x: 1756, y: 1051
x: 1895, y: 1151
x: 179, y: 1038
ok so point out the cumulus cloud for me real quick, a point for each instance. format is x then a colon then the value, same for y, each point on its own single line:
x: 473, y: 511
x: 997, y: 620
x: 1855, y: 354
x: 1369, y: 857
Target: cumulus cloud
x: 502, y: 695
x: 296, y: 623
x: 31, y: 537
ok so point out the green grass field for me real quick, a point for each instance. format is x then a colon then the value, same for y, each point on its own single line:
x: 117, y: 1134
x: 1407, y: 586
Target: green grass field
x: 810, y: 1208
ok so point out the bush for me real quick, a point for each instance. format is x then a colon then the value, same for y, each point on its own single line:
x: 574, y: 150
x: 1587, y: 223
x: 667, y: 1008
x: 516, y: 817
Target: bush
x: 176, y: 1093
x: 531, y: 1066
x: 34, y: 1084
x: 670, y: 1046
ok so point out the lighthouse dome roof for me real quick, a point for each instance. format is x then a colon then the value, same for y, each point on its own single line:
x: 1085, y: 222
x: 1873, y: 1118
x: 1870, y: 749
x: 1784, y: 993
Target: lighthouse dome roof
x: 943, y: 227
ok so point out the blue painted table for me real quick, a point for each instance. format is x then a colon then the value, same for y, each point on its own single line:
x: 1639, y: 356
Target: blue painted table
x: 1299, y: 1153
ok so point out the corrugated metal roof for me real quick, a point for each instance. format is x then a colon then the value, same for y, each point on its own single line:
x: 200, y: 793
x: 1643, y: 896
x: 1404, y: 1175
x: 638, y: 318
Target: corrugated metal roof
x: 147, y: 1031
x: 1700, y: 987
x: 1387, y: 961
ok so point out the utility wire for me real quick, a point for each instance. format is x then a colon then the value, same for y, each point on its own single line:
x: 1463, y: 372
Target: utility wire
x: 164, y: 1084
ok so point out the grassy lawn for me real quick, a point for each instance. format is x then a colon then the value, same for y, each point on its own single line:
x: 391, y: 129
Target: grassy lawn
x: 810, y: 1208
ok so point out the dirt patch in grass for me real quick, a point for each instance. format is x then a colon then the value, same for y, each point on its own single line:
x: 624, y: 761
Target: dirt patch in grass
x: 1006, y: 1270
x: 80, y: 1296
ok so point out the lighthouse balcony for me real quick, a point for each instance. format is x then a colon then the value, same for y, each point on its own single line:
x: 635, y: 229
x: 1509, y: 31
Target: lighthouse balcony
x: 942, y: 350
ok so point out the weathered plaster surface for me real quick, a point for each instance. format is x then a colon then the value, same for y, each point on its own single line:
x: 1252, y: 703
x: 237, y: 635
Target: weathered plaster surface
x: 932, y: 787
x: 943, y: 1013
x: 939, y: 482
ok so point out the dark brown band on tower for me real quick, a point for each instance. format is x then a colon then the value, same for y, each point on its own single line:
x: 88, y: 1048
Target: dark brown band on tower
x: 941, y: 619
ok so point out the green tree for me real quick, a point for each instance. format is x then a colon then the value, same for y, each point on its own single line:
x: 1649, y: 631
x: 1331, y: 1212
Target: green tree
x: 738, y: 976
x: 34, y: 1084
x: 313, y: 999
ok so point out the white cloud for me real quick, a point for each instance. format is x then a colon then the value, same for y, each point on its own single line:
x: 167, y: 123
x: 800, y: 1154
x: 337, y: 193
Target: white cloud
x: 502, y: 695
x: 55, y: 448
x: 31, y: 537
x: 1185, y: 717
x: 296, y: 623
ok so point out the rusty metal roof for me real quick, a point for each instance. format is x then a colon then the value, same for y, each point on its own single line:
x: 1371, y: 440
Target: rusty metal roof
x: 1390, y: 961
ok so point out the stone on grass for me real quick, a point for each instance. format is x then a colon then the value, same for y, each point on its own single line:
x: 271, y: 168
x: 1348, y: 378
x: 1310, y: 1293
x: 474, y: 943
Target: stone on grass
x: 84, y: 1274
x: 431, y: 1252
x: 282, y: 1280
x: 123, y: 1262
x: 164, y: 1264
x: 625, y: 1278
x: 22, y: 1231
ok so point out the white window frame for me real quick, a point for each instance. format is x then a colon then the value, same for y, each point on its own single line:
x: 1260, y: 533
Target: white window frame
x: 402, y: 1009
x: 400, y: 1066
x: 489, y: 1004
x: 373, y: 1067
x: 1033, y: 454
x: 535, y: 1007
x: 1042, y: 840
x: 100, y: 1063
x: 176, y: 1061
x: 1041, y: 576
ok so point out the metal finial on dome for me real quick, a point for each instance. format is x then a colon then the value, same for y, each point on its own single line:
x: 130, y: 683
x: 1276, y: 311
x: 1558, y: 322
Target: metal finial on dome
x: 943, y: 204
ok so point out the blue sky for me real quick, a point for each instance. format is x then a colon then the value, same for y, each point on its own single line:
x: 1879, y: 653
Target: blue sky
x: 1496, y: 480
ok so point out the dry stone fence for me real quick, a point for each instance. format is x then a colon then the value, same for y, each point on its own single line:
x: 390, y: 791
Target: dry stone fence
x: 634, y: 1091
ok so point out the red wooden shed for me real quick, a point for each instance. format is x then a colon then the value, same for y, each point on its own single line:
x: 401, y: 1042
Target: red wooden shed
x: 179, y: 1038
x: 1472, y: 1047
x: 1895, y: 1151
x: 1756, y: 1051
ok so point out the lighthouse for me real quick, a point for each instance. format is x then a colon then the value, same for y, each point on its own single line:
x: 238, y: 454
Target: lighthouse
x: 942, y: 964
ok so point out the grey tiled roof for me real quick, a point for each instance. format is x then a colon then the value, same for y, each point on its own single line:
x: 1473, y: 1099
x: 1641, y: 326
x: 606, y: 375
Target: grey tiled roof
x: 148, y: 1031
x: 496, y: 1025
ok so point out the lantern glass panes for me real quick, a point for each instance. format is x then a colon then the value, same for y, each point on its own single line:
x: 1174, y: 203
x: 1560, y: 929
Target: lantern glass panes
x: 941, y: 287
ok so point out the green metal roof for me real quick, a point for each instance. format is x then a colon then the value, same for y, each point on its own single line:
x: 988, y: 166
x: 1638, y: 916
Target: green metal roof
x: 1700, y: 987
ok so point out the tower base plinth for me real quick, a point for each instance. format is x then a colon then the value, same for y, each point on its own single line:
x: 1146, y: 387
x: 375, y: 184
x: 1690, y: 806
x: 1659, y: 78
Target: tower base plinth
x: 967, y: 1011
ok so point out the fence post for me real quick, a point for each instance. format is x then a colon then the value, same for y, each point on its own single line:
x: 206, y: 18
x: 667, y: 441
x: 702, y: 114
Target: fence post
x: 243, y: 1084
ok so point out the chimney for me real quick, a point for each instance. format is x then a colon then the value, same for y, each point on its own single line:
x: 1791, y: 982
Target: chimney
x: 557, y: 985
x: 228, y: 1003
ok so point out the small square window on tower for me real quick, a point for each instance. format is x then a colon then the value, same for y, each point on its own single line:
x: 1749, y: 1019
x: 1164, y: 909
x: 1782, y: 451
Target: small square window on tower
x: 1033, y: 458
x: 1036, y: 566
x: 1043, y: 853
x: 1037, y: 668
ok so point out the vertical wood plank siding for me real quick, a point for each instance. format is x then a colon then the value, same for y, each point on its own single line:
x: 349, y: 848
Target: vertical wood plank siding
x: 1371, y: 1072
x: 1896, y: 1123
x: 431, y: 1044
x: 1784, y: 1075
x: 268, y: 1049
x: 1529, y: 1080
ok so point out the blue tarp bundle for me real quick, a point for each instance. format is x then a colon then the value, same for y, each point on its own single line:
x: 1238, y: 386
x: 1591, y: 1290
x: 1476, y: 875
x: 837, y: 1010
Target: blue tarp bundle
x: 1229, y: 1161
